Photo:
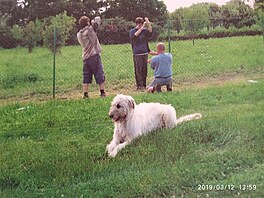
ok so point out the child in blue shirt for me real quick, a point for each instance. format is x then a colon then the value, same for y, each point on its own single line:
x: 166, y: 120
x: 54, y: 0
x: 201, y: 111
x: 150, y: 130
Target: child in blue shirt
x: 162, y: 66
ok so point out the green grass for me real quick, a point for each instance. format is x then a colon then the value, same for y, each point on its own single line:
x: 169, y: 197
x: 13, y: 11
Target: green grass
x: 56, y: 148
x: 206, y: 61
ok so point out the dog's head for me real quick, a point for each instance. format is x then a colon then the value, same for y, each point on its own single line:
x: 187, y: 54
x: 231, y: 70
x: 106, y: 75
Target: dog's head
x: 121, y: 107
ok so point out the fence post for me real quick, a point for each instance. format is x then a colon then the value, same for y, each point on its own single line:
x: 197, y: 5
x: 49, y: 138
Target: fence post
x: 169, y: 26
x: 54, y: 61
x: 169, y: 40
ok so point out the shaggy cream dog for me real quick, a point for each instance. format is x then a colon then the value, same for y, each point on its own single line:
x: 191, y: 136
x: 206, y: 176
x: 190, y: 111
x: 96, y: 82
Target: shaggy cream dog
x: 133, y: 120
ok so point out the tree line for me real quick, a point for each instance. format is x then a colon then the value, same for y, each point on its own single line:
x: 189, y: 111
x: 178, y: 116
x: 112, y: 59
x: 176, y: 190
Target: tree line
x: 234, y: 14
x: 31, y: 22
x: 21, y: 12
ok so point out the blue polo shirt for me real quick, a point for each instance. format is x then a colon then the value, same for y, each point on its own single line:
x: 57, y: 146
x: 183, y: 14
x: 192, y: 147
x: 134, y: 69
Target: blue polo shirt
x: 162, y: 65
x: 140, y: 43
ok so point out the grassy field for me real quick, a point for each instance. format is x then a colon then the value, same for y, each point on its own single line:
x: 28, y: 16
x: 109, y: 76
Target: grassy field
x: 56, y: 148
x: 25, y: 75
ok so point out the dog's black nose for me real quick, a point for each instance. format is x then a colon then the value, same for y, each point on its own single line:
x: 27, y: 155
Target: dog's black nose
x: 111, y: 115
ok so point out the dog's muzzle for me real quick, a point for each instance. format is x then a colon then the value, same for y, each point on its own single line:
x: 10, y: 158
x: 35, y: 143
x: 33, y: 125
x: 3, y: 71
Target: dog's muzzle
x: 114, y: 117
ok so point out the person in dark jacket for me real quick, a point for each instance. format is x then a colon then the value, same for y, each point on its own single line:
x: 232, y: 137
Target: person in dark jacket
x: 139, y: 41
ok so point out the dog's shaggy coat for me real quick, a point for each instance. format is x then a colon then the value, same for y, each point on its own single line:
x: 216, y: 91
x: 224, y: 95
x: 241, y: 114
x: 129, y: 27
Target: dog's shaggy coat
x: 133, y: 120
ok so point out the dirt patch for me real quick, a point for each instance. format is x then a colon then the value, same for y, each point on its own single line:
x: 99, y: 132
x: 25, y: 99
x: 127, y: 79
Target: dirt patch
x: 199, y: 82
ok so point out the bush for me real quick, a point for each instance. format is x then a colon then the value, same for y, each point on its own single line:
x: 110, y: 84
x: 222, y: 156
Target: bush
x: 32, y: 33
x: 213, y: 33
x: 29, y: 35
x: 63, y: 25
x: 260, y: 21
x: 7, y: 39
x: 116, y: 31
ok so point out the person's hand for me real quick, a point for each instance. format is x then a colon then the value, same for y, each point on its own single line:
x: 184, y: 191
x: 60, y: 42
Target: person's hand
x: 97, y: 20
x: 149, y: 61
x: 146, y: 20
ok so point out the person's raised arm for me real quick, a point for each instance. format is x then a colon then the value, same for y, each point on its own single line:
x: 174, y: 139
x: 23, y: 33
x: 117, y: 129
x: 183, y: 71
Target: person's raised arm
x: 95, y: 23
x: 140, y: 30
x: 149, y: 24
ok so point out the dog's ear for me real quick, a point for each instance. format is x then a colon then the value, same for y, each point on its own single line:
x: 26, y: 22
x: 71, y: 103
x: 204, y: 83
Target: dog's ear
x: 131, y: 103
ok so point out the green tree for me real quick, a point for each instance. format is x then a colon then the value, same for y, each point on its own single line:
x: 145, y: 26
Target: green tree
x: 238, y: 14
x: 21, y: 12
x: 177, y: 18
x: 214, y: 13
x: 6, y: 35
x: 30, y: 34
x: 11, y: 10
x: 226, y: 16
x: 6, y: 7
x: 195, y: 19
x: 259, y: 5
x: 155, y: 10
x: 35, y: 9
x: 63, y: 25
x: 116, y: 31
x: 260, y: 21
x: 33, y: 33
x: 78, y: 8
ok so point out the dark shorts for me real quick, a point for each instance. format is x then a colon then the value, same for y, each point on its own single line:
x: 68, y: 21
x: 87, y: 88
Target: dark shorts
x: 93, y: 66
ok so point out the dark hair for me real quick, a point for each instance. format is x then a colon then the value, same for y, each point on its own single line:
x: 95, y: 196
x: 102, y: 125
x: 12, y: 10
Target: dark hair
x: 84, y: 21
x: 139, y: 20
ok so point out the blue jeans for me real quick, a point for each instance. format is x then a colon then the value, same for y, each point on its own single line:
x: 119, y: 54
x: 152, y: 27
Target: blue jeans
x: 160, y: 81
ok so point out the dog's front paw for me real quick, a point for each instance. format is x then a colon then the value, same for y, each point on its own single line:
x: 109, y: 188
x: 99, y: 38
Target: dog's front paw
x: 113, y: 153
x: 110, y: 147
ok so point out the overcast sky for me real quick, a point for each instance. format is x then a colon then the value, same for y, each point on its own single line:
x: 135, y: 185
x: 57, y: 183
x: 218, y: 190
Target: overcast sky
x: 174, y: 4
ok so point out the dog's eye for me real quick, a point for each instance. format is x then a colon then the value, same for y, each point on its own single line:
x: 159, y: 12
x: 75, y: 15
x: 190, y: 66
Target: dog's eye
x: 118, y: 106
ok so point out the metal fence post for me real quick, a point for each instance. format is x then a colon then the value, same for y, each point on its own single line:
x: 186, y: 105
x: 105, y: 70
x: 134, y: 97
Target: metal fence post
x: 169, y: 26
x: 54, y: 60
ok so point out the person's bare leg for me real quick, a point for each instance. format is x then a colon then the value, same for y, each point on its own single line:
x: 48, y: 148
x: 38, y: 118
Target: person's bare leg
x: 101, y: 86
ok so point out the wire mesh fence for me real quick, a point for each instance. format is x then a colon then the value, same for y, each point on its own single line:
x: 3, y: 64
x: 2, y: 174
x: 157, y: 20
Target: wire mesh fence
x: 40, y: 74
